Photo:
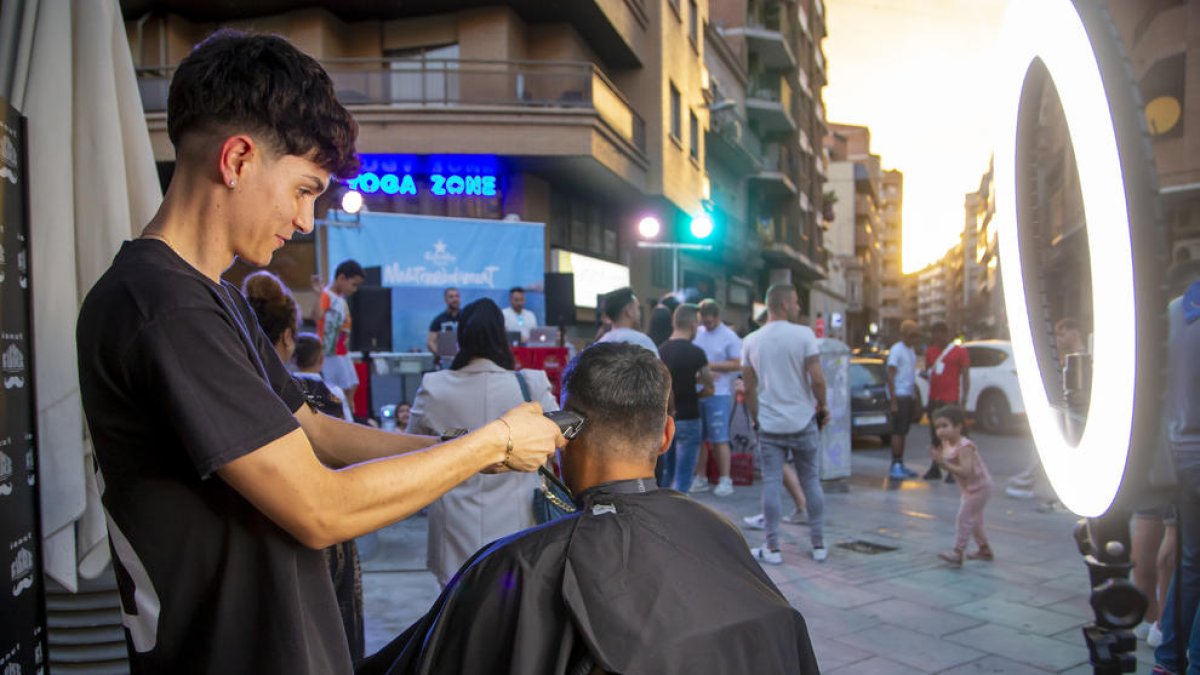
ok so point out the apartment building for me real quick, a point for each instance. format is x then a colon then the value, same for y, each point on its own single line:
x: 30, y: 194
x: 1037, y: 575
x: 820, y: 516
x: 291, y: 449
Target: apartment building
x: 891, y: 301
x: 585, y: 116
x: 1162, y: 40
x: 984, y: 312
x: 931, y: 295
x: 778, y: 42
x: 857, y: 234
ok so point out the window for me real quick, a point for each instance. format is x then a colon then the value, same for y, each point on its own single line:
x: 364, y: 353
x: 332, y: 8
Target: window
x: 661, y: 268
x: 694, y: 23
x: 694, y: 127
x: 986, y: 357
x: 676, y: 114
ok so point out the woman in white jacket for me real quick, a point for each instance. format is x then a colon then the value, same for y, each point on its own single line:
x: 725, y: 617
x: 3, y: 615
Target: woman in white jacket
x: 480, y: 386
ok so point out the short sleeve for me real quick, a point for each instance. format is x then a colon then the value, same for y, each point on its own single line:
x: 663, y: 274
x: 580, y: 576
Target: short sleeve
x: 733, y: 349
x: 210, y: 382
x: 435, y: 326
x: 893, y: 358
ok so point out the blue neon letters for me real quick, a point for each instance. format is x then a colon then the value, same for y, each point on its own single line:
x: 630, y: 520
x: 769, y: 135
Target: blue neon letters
x: 440, y: 185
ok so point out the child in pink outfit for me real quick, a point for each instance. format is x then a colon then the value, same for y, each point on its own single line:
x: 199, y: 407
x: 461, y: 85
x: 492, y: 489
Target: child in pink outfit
x: 959, y: 456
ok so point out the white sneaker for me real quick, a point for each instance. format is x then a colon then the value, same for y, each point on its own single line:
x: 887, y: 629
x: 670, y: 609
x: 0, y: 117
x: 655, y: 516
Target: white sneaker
x: 766, y: 555
x: 756, y: 522
x: 699, y: 484
x: 724, y: 487
x: 1142, y: 630
x: 1154, y: 636
x: 820, y: 554
x: 1018, y: 493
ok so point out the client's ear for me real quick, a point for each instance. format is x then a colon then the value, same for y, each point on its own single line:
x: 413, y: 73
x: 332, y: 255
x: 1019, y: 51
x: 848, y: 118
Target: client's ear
x: 668, y: 435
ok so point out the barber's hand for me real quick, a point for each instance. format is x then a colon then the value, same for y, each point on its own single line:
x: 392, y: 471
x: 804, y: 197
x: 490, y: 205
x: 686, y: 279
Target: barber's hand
x: 534, y: 438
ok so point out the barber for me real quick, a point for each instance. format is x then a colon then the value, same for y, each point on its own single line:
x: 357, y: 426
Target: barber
x: 220, y: 484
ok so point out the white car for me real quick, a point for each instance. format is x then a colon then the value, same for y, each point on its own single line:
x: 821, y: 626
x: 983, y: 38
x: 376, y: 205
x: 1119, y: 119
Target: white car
x: 995, y: 397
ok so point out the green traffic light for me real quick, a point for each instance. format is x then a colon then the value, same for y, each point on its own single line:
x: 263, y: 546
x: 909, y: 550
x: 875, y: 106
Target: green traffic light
x: 702, y: 226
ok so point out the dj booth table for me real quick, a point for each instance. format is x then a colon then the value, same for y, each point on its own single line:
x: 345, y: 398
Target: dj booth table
x: 388, y: 378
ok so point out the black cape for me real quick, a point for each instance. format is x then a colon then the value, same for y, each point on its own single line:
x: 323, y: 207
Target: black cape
x: 639, y: 581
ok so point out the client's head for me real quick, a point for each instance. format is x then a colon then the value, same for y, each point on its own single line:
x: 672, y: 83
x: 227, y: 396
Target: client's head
x: 622, y: 390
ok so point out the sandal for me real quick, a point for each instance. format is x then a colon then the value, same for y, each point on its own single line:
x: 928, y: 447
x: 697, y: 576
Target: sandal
x: 953, y: 558
x: 982, y: 553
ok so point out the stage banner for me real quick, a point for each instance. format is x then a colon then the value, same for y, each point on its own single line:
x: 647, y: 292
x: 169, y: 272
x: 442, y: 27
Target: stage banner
x: 421, y: 256
x: 22, y: 604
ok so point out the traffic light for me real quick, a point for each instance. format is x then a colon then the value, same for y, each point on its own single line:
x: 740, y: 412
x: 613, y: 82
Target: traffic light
x: 701, y: 226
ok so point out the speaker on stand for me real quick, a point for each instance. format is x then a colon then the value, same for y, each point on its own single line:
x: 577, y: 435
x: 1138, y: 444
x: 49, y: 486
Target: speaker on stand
x: 371, y: 317
x: 560, y: 302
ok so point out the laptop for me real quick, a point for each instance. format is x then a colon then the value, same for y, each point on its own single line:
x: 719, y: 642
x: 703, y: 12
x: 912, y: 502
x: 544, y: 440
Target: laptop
x: 544, y: 336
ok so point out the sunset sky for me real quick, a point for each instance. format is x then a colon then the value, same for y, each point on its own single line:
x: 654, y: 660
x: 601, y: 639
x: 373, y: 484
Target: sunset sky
x: 917, y: 73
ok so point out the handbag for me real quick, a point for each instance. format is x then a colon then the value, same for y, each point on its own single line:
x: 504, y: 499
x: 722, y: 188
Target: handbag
x: 551, y: 499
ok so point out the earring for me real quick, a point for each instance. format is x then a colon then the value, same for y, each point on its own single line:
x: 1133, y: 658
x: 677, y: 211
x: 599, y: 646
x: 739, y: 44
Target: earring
x: 232, y: 183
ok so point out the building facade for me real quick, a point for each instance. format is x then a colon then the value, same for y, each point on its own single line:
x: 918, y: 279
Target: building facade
x: 587, y: 116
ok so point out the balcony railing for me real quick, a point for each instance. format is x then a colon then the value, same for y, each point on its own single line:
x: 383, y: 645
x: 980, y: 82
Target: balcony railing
x: 735, y: 130
x: 459, y: 83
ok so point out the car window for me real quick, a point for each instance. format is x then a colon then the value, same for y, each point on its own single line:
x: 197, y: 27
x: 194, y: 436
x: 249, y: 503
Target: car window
x: 866, y: 375
x: 986, y: 357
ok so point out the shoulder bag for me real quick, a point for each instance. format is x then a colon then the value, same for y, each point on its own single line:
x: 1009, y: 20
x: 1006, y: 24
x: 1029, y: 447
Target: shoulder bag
x: 551, y: 500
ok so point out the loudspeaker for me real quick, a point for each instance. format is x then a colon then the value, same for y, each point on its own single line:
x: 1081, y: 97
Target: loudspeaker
x: 373, y: 276
x: 560, y: 299
x: 371, y: 316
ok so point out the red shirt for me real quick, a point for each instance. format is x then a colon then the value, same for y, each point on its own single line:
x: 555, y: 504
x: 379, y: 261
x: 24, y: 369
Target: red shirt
x: 944, y: 386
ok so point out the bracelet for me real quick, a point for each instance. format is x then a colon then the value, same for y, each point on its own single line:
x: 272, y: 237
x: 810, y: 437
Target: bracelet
x: 509, y: 449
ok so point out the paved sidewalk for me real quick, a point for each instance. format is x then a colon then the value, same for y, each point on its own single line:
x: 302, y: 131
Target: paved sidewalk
x: 894, y: 612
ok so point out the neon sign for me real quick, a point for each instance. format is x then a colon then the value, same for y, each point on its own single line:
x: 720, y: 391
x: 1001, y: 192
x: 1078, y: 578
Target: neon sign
x: 438, y: 175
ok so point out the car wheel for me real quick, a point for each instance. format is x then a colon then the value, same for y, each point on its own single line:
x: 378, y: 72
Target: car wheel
x: 993, y: 412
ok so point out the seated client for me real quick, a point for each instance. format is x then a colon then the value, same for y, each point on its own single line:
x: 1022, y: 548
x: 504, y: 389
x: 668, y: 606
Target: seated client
x: 639, y: 580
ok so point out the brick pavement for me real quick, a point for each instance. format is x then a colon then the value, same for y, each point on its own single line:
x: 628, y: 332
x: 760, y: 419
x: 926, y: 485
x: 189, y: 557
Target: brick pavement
x: 889, y: 613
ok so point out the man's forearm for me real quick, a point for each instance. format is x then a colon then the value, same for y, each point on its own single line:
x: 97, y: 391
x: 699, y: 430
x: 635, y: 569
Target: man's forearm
x: 340, y: 443
x: 818, y: 390
x: 730, y: 366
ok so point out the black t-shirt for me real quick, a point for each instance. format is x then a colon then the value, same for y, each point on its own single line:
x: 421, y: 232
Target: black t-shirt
x: 684, y: 360
x: 178, y: 380
x: 444, y: 322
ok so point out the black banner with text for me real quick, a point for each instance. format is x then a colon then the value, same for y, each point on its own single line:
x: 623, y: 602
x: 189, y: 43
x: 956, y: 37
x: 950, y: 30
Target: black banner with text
x: 22, y: 596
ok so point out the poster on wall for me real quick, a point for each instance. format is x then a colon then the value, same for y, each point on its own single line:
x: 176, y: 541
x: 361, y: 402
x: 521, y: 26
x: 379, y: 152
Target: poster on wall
x: 22, y: 606
x: 421, y: 256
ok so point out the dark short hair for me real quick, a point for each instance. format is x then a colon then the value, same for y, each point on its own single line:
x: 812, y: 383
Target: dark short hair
x: 350, y: 269
x: 481, y: 336
x: 939, y: 327
x: 261, y: 84
x: 685, y: 316
x: 777, y: 293
x: 710, y: 307
x: 308, y: 350
x: 616, y: 301
x: 951, y: 412
x: 516, y: 289
x: 622, y: 390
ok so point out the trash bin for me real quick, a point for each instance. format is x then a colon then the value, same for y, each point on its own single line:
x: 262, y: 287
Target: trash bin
x: 835, y: 438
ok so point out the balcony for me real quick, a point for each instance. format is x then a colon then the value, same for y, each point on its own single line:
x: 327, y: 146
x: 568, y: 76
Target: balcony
x: 769, y: 104
x: 775, y: 179
x: 768, y: 35
x: 516, y: 108
x: 730, y: 141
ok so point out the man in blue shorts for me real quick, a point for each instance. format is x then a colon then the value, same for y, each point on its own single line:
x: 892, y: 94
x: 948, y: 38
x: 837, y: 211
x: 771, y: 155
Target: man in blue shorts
x: 723, y: 348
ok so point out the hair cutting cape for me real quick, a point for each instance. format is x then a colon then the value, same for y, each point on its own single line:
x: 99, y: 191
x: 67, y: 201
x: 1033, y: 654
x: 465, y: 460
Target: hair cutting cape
x: 639, y: 581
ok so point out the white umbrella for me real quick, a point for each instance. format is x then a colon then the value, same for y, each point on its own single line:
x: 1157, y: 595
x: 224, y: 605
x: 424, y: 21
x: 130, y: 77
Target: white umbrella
x: 67, y: 67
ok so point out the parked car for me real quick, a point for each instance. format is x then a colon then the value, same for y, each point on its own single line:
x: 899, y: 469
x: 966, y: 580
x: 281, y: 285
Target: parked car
x: 868, y: 398
x: 994, y: 401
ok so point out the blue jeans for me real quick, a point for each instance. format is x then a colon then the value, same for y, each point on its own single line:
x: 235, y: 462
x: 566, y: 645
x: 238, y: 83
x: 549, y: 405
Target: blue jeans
x: 679, y: 463
x: 714, y: 410
x: 1188, y: 587
x: 803, y: 446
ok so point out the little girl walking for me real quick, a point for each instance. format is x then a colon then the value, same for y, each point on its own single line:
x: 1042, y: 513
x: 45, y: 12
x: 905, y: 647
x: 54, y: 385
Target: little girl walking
x: 959, y: 456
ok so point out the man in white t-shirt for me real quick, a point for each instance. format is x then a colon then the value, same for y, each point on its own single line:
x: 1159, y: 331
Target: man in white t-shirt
x: 723, y: 348
x: 622, y: 308
x: 902, y: 391
x: 517, y: 319
x: 785, y: 395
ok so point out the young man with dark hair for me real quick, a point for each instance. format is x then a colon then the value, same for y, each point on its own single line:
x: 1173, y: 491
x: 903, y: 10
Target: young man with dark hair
x: 331, y: 313
x: 689, y: 370
x: 623, y: 310
x: 217, y: 481
x: 518, y: 319
x: 638, y: 580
